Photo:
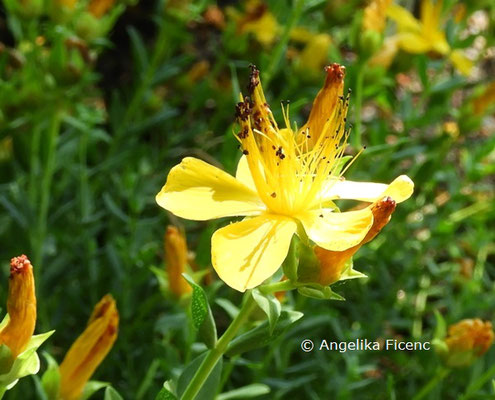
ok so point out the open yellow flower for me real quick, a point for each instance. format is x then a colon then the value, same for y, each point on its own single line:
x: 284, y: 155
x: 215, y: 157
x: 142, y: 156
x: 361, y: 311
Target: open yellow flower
x: 285, y: 183
x: 89, y: 350
x: 420, y: 36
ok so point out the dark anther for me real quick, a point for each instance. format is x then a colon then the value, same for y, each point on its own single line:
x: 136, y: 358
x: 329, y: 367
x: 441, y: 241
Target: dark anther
x: 243, y: 110
x: 274, y: 195
x: 244, y: 133
x: 279, y: 153
x: 245, y: 152
x: 254, y: 78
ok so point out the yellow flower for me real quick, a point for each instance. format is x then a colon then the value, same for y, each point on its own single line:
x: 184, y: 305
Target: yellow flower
x: 259, y: 21
x: 468, y: 340
x: 421, y: 36
x: 176, y: 258
x: 374, y: 16
x: 89, y: 350
x: 314, y: 56
x: 21, y: 306
x: 285, y: 183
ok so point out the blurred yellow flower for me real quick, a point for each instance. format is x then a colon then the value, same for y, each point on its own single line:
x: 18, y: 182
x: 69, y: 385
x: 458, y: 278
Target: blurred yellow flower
x: 286, y: 181
x: 176, y: 260
x: 89, y: 350
x: 420, y: 36
x: 375, y: 15
x: 485, y: 100
x: 468, y: 340
x: 314, y: 56
x: 259, y: 21
x: 21, y: 306
x: 99, y: 8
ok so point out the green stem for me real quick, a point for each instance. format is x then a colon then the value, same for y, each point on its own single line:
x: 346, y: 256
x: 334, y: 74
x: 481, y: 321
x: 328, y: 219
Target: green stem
x: 277, y: 287
x: 217, y: 352
x: 441, y: 373
x: 358, y: 102
x: 3, y: 389
x: 477, y: 384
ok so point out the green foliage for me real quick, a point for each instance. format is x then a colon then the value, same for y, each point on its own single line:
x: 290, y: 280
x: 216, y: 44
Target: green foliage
x: 95, y: 112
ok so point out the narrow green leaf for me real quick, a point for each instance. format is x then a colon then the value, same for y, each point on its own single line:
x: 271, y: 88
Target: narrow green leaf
x: 270, y: 305
x: 164, y: 394
x: 50, y: 381
x: 201, y: 314
x: 321, y: 293
x: 112, y: 394
x: 91, y: 388
x: 260, y: 336
x: 246, y: 392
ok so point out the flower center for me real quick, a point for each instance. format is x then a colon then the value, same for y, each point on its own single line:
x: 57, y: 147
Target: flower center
x: 290, y: 166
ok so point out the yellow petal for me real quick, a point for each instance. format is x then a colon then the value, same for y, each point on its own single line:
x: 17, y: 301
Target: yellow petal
x: 337, y: 231
x: 246, y: 253
x: 199, y: 191
x: 315, y: 54
x: 399, y: 190
x: 431, y: 14
x: 413, y: 43
x: 243, y: 174
x: 405, y: 20
x: 461, y: 62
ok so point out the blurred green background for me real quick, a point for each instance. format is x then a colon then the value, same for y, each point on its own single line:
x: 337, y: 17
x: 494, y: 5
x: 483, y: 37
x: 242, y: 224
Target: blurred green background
x: 95, y: 110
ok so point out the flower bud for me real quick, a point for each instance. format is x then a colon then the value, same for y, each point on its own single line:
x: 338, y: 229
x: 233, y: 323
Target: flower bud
x: 89, y: 350
x: 176, y: 261
x: 21, y: 306
x: 333, y: 264
x: 467, y: 340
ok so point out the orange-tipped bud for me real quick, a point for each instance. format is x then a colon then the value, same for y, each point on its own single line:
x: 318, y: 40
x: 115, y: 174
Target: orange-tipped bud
x: 468, y: 340
x: 21, y: 306
x: 176, y: 260
x: 99, y: 8
x: 89, y: 350
x: 325, y: 103
x: 332, y: 263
